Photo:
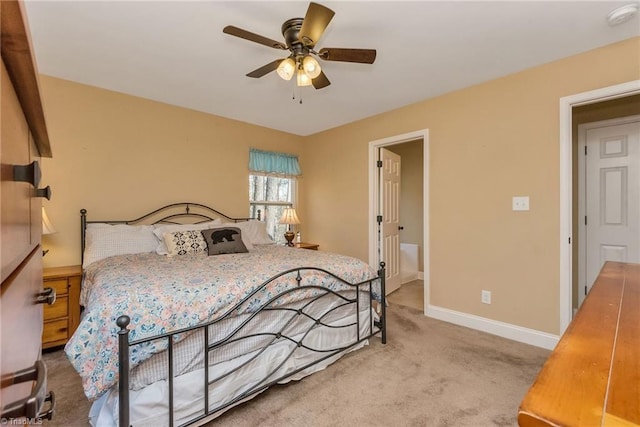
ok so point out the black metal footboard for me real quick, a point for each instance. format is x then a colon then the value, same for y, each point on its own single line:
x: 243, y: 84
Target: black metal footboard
x: 246, y: 338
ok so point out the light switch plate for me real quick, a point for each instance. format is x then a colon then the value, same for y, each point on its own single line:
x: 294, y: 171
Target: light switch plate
x: 520, y: 203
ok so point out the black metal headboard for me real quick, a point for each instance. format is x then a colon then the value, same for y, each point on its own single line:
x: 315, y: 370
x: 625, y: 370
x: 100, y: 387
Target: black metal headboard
x: 176, y: 213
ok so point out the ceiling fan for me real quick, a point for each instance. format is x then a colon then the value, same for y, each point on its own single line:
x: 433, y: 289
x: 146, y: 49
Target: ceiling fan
x: 301, y: 36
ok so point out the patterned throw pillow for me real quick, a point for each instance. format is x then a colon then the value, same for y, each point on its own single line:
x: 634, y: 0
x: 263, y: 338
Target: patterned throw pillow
x: 161, y: 229
x: 224, y: 240
x: 188, y: 242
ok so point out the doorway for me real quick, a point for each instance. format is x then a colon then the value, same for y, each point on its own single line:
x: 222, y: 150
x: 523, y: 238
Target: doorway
x: 609, y: 192
x: 418, y: 137
x: 568, y: 188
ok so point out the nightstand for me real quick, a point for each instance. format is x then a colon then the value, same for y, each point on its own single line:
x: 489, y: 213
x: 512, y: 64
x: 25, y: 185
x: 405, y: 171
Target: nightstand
x: 312, y: 246
x: 62, y: 317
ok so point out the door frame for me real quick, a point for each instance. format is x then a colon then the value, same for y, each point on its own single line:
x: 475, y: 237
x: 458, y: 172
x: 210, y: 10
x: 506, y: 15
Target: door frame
x: 374, y: 198
x: 582, y: 197
x: 567, y: 185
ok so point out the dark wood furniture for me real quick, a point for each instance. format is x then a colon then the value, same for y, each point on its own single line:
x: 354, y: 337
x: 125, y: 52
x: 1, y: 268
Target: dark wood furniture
x: 592, y: 378
x: 62, y: 318
x: 23, y: 140
x: 303, y: 245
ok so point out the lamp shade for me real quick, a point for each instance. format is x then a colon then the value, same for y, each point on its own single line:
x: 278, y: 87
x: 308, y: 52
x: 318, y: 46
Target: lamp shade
x: 302, y: 79
x: 289, y: 216
x: 286, y: 69
x: 311, y: 66
x: 47, y: 227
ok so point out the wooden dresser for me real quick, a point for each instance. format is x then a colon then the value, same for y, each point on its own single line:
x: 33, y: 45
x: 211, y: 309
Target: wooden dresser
x: 23, y: 140
x: 592, y: 377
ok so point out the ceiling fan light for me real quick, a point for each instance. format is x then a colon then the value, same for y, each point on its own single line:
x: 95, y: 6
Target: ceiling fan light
x: 311, y: 66
x: 286, y: 68
x: 303, y: 79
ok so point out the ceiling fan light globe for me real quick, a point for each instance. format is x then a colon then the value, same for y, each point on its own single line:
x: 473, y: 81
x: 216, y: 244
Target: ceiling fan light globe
x: 303, y: 79
x: 286, y: 69
x: 311, y: 66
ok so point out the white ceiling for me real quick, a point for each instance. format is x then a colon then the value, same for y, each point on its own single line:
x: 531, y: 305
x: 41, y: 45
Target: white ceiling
x: 175, y: 51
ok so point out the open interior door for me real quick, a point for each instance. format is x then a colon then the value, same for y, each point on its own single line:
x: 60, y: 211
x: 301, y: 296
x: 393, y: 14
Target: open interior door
x: 389, y: 210
x: 611, y: 193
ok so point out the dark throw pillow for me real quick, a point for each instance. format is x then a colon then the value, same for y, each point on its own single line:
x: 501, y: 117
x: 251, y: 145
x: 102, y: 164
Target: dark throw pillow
x: 224, y: 240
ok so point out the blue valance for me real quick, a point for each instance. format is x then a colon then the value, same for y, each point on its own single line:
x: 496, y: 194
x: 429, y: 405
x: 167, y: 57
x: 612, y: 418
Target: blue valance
x: 269, y: 162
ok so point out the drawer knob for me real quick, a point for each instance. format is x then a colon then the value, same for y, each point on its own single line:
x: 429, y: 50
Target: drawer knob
x: 28, y: 173
x: 44, y: 192
x: 47, y: 296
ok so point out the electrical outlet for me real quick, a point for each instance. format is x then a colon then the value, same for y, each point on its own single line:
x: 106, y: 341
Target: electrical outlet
x: 486, y: 297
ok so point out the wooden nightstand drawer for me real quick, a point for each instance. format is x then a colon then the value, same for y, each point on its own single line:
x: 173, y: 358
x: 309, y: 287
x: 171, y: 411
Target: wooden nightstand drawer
x: 60, y: 285
x: 62, y: 318
x: 57, y: 330
x: 59, y: 309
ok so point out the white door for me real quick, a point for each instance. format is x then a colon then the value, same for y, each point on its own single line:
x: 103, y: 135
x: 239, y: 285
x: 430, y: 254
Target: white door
x: 610, y: 196
x: 390, y: 212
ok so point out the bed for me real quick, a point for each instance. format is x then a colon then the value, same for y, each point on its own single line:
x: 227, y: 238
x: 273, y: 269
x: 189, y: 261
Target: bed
x: 188, y: 312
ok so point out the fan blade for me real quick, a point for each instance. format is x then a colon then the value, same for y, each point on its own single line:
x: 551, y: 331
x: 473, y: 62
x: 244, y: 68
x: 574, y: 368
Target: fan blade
x: 244, y: 34
x: 362, y: 56
x: 320, y: 81
x: 314, y: 24
x: 265, y: 69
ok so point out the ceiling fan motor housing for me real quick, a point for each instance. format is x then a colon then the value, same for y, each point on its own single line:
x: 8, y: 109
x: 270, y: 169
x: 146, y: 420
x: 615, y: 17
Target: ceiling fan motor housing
x: 290, y: 31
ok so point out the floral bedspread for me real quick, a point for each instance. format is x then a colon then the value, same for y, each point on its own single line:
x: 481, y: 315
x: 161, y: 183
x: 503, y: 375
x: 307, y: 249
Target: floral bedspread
x: 162, y: 294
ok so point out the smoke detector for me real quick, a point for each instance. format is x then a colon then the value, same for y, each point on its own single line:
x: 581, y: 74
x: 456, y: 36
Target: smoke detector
x: 622, y: 14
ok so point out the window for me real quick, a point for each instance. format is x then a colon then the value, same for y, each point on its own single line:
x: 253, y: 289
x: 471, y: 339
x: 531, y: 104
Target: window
x: 272, y: 187
x: 271, y: 194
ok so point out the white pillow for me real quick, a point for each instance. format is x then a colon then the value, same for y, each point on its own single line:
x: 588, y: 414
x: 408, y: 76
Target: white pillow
x: 161, y: 229
x: 105, y: 240
x: 253, y: 231
x: 258, y: 233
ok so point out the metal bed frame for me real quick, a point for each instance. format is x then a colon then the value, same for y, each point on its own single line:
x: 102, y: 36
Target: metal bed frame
x: 177, y: 213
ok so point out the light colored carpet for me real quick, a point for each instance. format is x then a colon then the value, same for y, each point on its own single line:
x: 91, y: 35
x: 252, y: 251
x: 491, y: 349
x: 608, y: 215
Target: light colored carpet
x: 430, y: 373
x: 410, y: 294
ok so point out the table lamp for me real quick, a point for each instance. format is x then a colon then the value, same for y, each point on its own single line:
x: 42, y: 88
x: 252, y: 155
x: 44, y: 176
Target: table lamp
x: 289, y: 217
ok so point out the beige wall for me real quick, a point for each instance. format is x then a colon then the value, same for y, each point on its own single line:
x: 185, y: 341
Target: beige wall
x: 487, y: 143
x: 118, y: 155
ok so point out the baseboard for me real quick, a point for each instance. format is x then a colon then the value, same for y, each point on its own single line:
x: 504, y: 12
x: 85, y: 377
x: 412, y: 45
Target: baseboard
x: 505, y: 330
x: 406, y: 277
x: 410, y: 276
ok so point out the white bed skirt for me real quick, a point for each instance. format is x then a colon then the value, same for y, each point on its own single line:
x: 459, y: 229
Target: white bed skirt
x: 149, y: 406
